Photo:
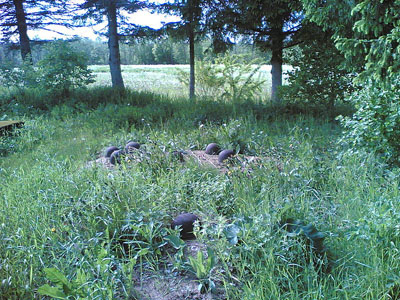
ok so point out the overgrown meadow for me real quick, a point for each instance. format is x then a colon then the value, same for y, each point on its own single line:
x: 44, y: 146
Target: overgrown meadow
x: 81, y: 231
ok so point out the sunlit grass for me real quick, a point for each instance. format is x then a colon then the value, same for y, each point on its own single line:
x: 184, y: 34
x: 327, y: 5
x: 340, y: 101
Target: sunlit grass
x: 163, y: 79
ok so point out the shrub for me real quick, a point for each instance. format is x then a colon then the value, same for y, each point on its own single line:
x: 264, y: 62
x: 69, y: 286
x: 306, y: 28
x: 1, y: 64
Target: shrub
x: 317, y: 77
x: 64, y: 68
x: 59, y: 71
x: 375, y: 126
x: 25, y: 75
x: 230, y: 77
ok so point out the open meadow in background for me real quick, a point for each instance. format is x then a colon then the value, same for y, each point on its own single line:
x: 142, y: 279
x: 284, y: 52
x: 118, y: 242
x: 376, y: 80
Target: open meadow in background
x: 164, y: 79
x: 80, y: 230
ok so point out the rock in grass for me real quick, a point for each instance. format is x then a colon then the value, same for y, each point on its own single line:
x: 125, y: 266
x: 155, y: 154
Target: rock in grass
x: 225, y: 154
x: 116, y: 157
x: 131, y: 146
x: 213, y: 149
x: 110, y: 150
x: 186, y: 223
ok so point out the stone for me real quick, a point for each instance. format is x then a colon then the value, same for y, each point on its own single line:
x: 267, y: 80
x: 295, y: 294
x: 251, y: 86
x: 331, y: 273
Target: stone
x: 110, y: 150
x: 186, y: 223
x: 213, y: 149
x: 131, y: 146
x: 225, y: 154
x: 116, y: 157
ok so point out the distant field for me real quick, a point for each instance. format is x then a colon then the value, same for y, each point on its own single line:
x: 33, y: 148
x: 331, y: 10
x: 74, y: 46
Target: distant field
x: 161, y: 79
x: 156, y: 78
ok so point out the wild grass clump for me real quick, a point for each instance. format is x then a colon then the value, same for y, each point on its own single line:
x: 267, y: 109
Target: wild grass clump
x: 100, y: 227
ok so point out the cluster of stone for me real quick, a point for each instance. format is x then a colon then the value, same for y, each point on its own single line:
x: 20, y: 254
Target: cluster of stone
x: 214, y: 149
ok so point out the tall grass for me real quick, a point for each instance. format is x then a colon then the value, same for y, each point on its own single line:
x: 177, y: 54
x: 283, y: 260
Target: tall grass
x: 55, y: 211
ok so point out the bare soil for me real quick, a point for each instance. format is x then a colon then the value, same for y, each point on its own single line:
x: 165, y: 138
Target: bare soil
x: 243, y: 162
x: 168, y: 285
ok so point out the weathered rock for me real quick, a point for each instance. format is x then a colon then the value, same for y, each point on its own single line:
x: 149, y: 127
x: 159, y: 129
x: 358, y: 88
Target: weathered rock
x: 213, y: 149
x: 116, y: 157
x: 186, y: 223
x: 132, y: 146
x: 225, y: 154
x: 110, y: 150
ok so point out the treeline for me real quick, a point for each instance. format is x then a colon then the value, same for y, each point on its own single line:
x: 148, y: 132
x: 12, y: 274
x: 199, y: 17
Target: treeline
x: 133, y: 52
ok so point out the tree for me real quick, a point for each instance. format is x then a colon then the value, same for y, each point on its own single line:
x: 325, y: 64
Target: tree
x: 19, y: 16
x: 318, y: 75
x: 191, y: 25
x: 367, y: 33
x: 111, y: 9
x: 370, y: 39
x: 163, y: 52
x: 271, y: 24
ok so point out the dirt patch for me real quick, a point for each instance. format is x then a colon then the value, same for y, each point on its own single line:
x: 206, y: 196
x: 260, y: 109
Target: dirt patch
x: 161, y: 286
x: 134, y: 157
x: 101, y: 162
x: 165, y: 284
x: 240, y: 162
x: 244, y: 163
x: 192, y: 247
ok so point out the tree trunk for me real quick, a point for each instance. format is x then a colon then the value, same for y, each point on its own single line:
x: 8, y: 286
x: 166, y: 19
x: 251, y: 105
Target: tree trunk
x: 191, y: 61
x: 276, y: 63
x: 22, y: 30
x: 113, y: 46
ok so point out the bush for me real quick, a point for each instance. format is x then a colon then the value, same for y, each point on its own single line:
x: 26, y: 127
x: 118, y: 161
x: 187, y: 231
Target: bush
x: 375, y: 126
x: 20, y: 77
x: 230, y: 77
x: 317, y: 77
x: 59, y: 71
x: 64, y: 68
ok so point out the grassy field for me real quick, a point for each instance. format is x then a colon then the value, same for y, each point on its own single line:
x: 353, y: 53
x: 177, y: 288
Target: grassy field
x: 107, y: 231
x: 162, y: 79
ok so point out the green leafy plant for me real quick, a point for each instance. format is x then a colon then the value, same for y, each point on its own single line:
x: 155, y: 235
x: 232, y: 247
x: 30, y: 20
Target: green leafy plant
x: 61, y: 70
x: 175, y: 241
x: 232, y: 136
x: 64, y: 288
x: 314, y: 242
x: 141, y: 231
x: 375, y: 126
x: 314, y: 237
x: 231, y: 233
x: 202, y: 267
x: 230, y: 78
x: 317, y: 76
x: 23, y: 76
x: 64, y: 68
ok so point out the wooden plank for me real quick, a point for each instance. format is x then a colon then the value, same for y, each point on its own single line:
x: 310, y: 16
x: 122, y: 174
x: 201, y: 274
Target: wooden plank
x: 6, y: 126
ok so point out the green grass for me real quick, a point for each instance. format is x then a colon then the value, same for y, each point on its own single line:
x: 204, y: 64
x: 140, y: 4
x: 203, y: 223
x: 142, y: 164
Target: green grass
x: 162, y: 79
x: 55, y: 212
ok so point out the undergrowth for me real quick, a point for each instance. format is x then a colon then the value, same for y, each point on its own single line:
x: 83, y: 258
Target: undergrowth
x: 98, y: 228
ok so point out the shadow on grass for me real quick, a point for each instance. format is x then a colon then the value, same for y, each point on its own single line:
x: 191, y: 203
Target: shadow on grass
x: 136, y: 107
